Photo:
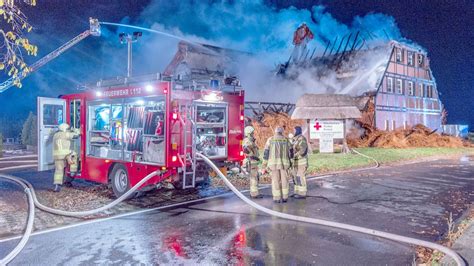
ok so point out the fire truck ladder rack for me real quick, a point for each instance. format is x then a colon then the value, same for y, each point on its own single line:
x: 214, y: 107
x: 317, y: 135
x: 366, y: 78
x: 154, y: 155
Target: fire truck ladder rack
x: 94, y: 30
x: 189, y: 157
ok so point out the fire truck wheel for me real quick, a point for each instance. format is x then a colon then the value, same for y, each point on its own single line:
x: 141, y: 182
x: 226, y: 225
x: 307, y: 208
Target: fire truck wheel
x: 119, y: 180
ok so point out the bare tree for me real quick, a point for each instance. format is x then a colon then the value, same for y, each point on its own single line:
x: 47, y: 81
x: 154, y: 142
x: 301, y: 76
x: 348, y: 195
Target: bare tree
x: 13, y: 41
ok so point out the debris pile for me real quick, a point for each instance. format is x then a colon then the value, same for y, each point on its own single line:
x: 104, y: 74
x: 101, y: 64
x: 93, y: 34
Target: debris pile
x: 417, y: 136
x: 270, y: 121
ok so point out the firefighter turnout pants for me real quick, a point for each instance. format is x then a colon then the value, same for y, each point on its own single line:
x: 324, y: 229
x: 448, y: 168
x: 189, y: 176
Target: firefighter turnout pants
x: 280, y: 185
x: 253, y: 175
x: 300, y: 179
x: 59, y: 165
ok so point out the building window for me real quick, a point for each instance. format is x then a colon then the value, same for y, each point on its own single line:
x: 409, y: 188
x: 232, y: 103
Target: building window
x: 399, y: 55
x: 386, y: 126
x: 421, y: 60
x: 399, y: 86
x: 393, y: 125
x: 421, y: 90
x: 405, y: 124
x: 411, y: 59
x: 429, y: 91
x: 411, y: 90
x: 390, y: 85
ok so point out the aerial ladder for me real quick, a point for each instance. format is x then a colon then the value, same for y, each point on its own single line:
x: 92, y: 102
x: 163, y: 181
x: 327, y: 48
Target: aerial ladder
x: 94, y: 30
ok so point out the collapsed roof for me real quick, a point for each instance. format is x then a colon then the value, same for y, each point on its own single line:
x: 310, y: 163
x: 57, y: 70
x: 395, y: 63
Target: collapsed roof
x: 201, y: 61
x: 355, y: 72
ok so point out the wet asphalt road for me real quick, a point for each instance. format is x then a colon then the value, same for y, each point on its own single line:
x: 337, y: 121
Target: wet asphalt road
x: 412, y: 200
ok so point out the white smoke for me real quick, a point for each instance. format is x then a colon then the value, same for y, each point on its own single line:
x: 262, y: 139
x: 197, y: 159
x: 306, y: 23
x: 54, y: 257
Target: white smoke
x: 267, y: 33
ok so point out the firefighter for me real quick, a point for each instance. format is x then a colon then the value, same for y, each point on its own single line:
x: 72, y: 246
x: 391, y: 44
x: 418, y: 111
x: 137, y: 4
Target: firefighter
x: 251, y: 160
x: 276, y: 157
x: 300, y: 163
x: 62, y: 153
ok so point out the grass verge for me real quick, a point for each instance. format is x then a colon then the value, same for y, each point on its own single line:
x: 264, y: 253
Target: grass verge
x: 319, y: 163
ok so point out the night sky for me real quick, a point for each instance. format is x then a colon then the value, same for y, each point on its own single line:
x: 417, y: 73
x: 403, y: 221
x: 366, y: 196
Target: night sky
x: 444, y: 28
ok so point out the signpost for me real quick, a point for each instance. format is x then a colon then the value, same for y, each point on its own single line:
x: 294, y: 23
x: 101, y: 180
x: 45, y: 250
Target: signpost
x: 326, y: 131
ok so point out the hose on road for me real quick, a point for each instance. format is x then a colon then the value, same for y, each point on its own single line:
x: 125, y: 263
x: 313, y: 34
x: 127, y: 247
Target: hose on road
x: 29, y: 225
x: 413, y: 241
x: 34, y: 201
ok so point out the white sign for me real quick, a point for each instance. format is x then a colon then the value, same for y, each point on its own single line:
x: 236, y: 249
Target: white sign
x: 318, y: 127
x: 326, y: 143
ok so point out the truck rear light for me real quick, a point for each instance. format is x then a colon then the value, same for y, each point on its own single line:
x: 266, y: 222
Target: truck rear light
x: 165, y: 90
x: 175, y: 116
x: 174, y: 159
x: 174, y: 146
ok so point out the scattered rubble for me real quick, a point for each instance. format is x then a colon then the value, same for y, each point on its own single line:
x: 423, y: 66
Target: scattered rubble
x: 417, y: 136
x: 266, y: 128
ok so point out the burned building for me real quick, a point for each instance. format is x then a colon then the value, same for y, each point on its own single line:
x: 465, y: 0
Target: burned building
x: 396, y: 76
x: 194, y: 61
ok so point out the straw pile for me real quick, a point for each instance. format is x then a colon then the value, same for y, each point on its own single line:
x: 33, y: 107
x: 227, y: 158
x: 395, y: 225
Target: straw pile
x: 417, y: 136
x: 270, y: 121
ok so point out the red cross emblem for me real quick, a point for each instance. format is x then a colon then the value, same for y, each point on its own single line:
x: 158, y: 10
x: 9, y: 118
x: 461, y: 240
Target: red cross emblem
x: 317, y: 126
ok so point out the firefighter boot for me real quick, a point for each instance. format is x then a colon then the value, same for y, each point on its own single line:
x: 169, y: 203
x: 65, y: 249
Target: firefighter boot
x: 276, y: 190
x: 254, y: 183
x: 57, y: 188
x: 300, y: 182
x: 285, y: 185
x: 59, y: 165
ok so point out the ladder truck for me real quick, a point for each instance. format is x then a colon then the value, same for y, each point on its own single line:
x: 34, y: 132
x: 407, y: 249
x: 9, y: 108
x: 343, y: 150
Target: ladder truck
x: 94, y: 30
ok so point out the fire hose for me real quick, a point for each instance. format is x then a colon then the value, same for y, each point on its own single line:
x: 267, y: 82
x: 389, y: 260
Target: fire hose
x: 33, y: 201
x: 413, y: 241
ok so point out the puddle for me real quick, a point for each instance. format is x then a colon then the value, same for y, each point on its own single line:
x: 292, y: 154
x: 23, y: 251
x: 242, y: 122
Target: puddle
x: 465, y: 159
x: 329, y: 185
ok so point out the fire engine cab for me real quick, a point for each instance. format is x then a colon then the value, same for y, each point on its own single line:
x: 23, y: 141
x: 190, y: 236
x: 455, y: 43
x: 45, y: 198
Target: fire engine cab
x: 134, y: 126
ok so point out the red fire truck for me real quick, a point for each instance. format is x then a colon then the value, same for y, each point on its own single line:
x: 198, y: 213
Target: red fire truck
x: 132, y: 127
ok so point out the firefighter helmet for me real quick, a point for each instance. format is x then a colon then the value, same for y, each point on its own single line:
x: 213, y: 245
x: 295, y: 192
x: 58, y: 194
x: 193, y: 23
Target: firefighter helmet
x: 248, y: 130
x: 63, y: 127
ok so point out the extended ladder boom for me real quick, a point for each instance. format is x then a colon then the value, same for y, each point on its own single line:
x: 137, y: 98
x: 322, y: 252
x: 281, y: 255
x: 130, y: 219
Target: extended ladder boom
x: 94, y: 30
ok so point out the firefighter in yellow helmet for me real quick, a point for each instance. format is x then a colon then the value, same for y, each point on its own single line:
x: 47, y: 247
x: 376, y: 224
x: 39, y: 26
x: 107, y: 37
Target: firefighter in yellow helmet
x: 62, y: 153
x: 251, y: 160
x: 276, y: 157
x: 300, y: 163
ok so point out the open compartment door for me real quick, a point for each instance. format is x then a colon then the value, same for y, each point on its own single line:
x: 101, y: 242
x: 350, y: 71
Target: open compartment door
x: 51, y: 113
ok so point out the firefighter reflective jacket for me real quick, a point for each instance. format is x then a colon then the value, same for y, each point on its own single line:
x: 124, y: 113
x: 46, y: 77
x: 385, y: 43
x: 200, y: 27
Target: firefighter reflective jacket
x: 277, y: 153
x: 300, y: 150
x: 62, y: 143
x: 250, y: 151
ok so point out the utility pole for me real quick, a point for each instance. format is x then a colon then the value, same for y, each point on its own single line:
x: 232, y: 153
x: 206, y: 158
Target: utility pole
x: 128, y: 39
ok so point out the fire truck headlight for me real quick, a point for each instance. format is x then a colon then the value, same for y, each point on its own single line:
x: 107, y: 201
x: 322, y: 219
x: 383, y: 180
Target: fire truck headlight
x: 242, y: 153
x: 149, y: 88
x: 175, y: 116
x: 174, y: 158
x: 98, y: 93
